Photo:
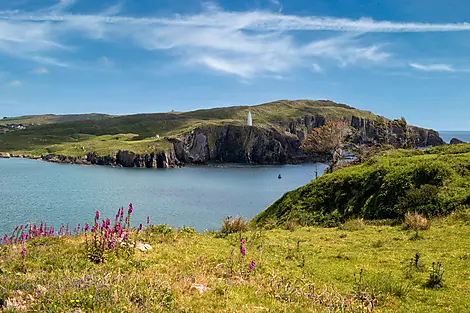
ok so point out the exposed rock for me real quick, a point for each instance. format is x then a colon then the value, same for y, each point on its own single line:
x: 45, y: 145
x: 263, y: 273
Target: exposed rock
x: 238, y: 144
x: 255, y: 145
x: 143, y: 246
x: 456, y: 141
x: 199, y: 287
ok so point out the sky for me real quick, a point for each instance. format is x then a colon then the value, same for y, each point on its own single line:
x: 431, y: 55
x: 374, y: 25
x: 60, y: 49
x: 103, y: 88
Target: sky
x: 396, y: 58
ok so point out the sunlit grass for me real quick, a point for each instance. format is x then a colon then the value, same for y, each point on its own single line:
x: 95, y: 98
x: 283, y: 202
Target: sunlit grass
x: 288, y: 264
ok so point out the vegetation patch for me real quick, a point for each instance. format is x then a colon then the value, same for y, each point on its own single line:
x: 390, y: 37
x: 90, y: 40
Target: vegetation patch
x: 430, y: 182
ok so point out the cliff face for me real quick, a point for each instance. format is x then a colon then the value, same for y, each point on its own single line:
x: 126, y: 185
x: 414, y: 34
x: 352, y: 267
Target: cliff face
x: 243, y: 144
x: 164, y: 159
x: 238, y: 144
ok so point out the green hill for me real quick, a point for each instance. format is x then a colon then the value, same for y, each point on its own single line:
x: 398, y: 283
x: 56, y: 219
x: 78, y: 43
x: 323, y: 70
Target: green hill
x: 61, y: 129
x: 51, y: 118
x: 432, y: 181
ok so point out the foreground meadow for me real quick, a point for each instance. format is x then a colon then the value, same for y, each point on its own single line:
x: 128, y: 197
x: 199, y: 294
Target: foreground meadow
x: 351, y: 268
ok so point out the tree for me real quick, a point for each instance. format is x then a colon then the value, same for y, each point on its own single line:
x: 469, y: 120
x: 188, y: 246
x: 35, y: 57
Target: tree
x: 327, y: 140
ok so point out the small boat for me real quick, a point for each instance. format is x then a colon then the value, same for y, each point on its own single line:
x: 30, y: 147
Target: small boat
x: 279, y: 177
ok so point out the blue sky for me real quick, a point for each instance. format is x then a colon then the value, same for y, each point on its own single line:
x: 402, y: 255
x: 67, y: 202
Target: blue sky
x: 394, y: 57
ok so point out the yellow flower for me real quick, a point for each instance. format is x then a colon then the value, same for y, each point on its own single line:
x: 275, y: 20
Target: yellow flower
x: 90, y: 296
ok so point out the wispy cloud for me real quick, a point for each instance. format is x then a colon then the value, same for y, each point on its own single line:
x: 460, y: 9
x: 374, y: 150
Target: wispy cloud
x: 14, y: 83
x: 246, y: 44
x: 433, y: 67
x: 106, y: 61
x: 41, y: 71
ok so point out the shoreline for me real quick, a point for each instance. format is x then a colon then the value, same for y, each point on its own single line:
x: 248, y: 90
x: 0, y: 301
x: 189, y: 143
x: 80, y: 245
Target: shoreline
x: 60, y: 159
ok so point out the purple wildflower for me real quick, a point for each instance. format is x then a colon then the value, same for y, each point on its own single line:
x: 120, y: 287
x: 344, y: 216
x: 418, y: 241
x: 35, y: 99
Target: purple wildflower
x: 252, y: 265
x: 242, y: 247
x: 140, y: 226
x: 148, y: 220
x: 86, y: 227
x: 131, y: 208
x: 97, y: 215
x: 23, y: 253
x: 242, y: 250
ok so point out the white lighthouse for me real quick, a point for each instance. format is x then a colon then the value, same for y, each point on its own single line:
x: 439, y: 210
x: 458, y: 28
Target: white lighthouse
x: 250, y: 120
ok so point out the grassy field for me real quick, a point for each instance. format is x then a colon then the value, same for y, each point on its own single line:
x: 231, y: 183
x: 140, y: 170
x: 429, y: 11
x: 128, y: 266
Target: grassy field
x: 51, y: 119
x: 307, y: 269
x: 103, y: 145
x: 39, y: 138
x: 431, y: 181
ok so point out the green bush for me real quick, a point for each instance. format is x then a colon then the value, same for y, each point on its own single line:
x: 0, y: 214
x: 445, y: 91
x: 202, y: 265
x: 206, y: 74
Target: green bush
x: 431, y: 182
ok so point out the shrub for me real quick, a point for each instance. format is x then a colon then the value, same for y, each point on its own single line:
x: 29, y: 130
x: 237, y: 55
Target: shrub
x: 416, y: 221
x: 234, y: 225
x: 436, y: 274
x: 291, y: 225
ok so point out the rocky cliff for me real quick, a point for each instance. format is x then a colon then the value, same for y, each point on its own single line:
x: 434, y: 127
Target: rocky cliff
x: 163, y: 159
x: 243, y: 144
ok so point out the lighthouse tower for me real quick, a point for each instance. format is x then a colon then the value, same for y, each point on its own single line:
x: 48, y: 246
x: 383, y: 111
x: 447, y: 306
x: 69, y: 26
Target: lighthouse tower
x: 250, y: 120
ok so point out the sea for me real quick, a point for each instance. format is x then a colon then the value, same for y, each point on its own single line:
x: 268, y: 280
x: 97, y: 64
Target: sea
x: 198, y: 197
x: 448, y: 135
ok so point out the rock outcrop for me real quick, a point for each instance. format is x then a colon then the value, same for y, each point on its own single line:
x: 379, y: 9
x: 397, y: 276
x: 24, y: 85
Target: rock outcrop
x: 163, y: 159
x: 456, y: 141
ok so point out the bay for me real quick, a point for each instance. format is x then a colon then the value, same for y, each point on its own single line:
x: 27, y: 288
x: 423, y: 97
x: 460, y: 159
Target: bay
x: 199, y: 197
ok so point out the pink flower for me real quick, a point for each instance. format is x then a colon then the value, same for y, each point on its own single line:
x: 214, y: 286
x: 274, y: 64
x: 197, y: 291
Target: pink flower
x: 131, y: 208
x: 148, y: 220
x: 242, y: 247
x: 86, y: 227
x: 140, y: 226
x: 23, y: 253
x: 252, y: 265
x: 97, y: 215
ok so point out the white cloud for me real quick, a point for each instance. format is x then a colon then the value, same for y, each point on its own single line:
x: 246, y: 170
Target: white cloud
x: 433, y: 67
x: 14, y: 83
x: 106, y: 61
x: 246, y: 44
x: 316, y: 68
x: 41, y: 71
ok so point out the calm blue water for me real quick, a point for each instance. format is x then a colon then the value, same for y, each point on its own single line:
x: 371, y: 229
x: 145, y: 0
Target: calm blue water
x: 199, y: 197
x: 448, y: 135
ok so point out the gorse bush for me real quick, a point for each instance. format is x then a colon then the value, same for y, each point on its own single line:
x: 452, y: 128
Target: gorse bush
x: 416, y: 221
x: 431, y: 182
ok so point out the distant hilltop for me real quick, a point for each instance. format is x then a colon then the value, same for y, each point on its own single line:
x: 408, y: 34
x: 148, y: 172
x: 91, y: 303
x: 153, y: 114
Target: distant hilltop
x: 201, y: 136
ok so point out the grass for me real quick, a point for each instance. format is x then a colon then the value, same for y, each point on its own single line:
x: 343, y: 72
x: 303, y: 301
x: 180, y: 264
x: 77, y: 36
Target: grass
x: 304, y: 270
x: 51, y: 118
x: 430, y: 182
x: 56, y: 130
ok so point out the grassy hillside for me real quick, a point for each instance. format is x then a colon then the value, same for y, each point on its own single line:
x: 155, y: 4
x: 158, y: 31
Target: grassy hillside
x: 51, y: 119
x: 145, y: 126
x: 432, y: 181
x: 363, y: 268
